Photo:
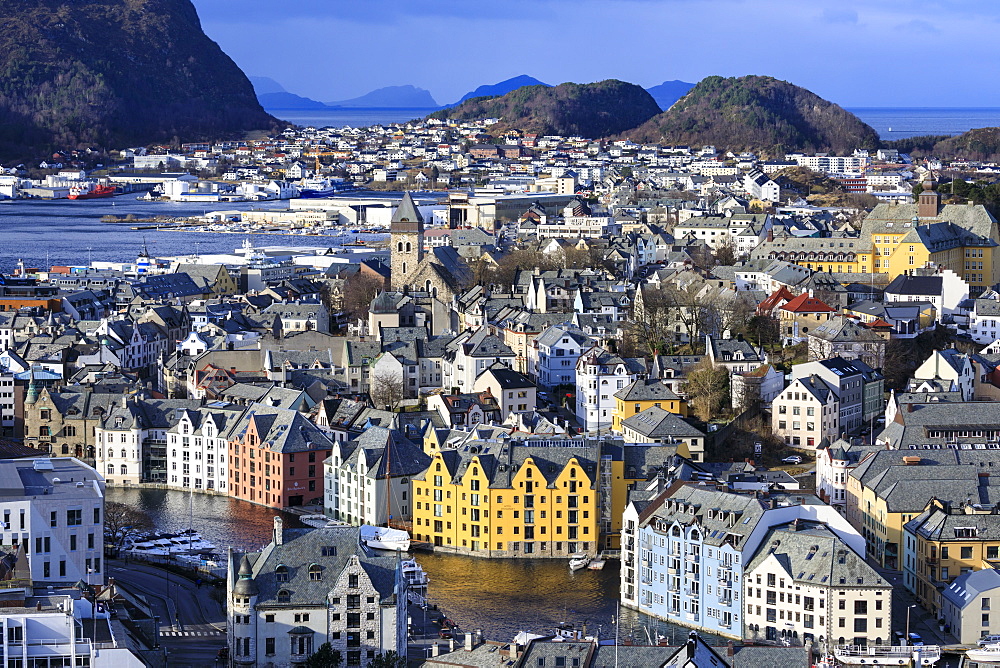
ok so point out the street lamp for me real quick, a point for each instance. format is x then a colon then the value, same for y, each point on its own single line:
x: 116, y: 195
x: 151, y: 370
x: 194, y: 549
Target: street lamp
x: 908, y: 608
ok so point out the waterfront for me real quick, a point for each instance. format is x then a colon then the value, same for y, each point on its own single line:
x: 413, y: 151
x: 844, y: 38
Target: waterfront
x: 65, y: 232
x: 500, y: 596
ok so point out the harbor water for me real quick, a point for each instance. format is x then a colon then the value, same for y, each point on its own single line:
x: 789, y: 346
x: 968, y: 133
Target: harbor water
x: 500, y: 596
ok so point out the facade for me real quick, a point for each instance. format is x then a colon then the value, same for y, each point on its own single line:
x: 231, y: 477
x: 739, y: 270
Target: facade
x: 310, y: 587
x: 645, y: 393
x: 558, y: 349
x: 834, y: 463
x: 53, y: 511
x: 533, y: 498
x: 515, y: 392
x: 599, y: 374
x: 805, y: 585
x: 198, y: 449
x: 658, y: 425
x: 684, y: 550
x: 805, y: 413
x: 969, y: 605
x: 858, y: 388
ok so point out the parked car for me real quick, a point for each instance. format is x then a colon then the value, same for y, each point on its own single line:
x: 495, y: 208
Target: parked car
x: 916, y: 639
x: 989, y: 640
x: 793, y: 459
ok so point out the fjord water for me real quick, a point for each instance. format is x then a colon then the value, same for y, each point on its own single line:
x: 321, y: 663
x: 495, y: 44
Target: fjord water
x: 500, y: 596
x: 60, y: 232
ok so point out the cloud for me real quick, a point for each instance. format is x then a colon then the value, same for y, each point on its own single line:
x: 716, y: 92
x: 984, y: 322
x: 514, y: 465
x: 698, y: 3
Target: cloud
x: 919, y: 26
x: 832, y: 15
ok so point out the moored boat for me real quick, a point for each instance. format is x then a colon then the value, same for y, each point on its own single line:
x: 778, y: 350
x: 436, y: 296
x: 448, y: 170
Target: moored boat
x: 86, y: 192
x: 887, y: 655
x: 384, y: 538
x: 578, y: 561
x: 985, y: 653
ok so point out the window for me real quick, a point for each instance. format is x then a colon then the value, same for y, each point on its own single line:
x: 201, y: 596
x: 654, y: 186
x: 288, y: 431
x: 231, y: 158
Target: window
x: 315, y: 572
x: 74, y: 518
x: 269, y: 646
x: 284, y: 596
x: 967, y: 552
x: 281, y: 573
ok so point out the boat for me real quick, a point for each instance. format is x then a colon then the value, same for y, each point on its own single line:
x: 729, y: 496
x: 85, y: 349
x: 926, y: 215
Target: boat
x: 887, y: 655
x: 87, y: 192
x: 578, y: 561
x: 986, y: 653
x: 384, y: 538
x: 596, y: 564
x: 320, y: 521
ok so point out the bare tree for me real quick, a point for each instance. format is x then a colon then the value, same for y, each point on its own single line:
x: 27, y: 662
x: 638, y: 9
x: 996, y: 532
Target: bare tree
x: 725, y: 253
x: 386, y: 390
x: 708, y: 389
x: 122, y: 522
x: 359, y: 291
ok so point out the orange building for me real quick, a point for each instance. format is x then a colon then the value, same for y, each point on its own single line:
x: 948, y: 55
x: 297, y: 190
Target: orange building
x: 276, y: 458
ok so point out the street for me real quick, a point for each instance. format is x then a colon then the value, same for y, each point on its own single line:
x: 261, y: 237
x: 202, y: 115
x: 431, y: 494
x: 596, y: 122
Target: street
x: 192, y: 624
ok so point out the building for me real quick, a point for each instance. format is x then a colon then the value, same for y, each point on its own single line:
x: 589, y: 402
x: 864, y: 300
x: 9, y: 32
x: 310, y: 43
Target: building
x: 276, y: 458
x: 309, y: 587
x: 515, y: 392
x: 805, y: 413
x: 535, y: 498
x: 599, y: 374
x: 198, y: 449
x: 367, y: 479
x: 947, y: 540
x: 806, y: 585
x: 858, y: 387
x: 970, y: 605
x: 53, y: 511
x: 658, y: 425
x: 558, y: 348
x: 684, y: 550
x: 834, y: 463
x: 847, y: 338
x: 644, y: 393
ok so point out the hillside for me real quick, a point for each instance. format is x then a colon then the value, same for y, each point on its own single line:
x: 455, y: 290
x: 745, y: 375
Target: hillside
x: 503, y: 87
x: 589, y: 110
x: 391, y: 96
x: 978, y: 144
x: 668, y: 92
x: 286, y: 100
x: 760, y: 114
x: 115, y: 73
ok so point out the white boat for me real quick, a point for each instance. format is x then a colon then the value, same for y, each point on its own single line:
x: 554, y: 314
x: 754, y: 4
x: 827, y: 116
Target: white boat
x: 384, y: 538
x: 985, y: 653
x: 320, y: 521
x: 887, y: 655
x: 578, y: 561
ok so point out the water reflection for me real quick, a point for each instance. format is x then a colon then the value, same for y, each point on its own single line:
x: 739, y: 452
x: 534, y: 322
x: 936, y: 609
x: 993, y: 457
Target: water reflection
x: 500, y: 596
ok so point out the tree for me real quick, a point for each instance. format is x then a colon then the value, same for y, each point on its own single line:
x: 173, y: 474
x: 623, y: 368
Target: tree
x: 324, y: 657
x: 708, y: 389
x: 122, y: 522
x: 388, y: 659
x: 386, y: 390
x: 359, y: 291
x: 764, y: 330
x: 725, y: 254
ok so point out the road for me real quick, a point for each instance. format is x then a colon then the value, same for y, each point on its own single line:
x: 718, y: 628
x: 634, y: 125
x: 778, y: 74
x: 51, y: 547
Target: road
x: 192, y: 624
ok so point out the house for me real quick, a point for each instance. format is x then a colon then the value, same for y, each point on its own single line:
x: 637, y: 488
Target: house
x: 944, y: 289
x: 802, y: 313
x: 309, y: 587
x: 846, y: 337
x: 858, y: 388
x: 599, y: 374
x: 967, y: 605
x: 805, y: 413
x: 515, y: 392
x: 657, y: 425
x: 469, y: 354
x: 558, y: 348
x: 834, y: 463
x: 904, y: 320
x: 466, y: 409
x: 644, y: 393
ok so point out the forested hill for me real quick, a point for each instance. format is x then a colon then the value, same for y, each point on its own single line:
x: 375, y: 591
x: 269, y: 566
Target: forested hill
x: 589, y: 110
x: 114, y: 73
x: 756, y: 113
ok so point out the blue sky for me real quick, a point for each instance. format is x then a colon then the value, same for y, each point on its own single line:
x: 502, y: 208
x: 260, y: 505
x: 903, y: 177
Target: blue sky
x: 888, y: 53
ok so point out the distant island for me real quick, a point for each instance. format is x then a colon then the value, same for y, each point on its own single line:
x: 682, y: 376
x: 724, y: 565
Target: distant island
x: 502, y: 87
x: 391, y: 96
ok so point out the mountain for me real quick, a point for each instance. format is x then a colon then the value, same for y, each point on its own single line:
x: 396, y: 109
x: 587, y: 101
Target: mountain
x: 757, y: 113
x: 391, y: 96
x: 669, y: 92
x: 590, y: 110
x: 978, y: 144
x: 502, y: 88
x: 114, y: 73
x: 265, y: 85
x: 286, y: 100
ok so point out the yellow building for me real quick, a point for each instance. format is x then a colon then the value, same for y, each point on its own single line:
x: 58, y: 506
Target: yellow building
x: 645, y: 393
x: 945, y: 541
x: 897, y: 238
x: 503, y: 499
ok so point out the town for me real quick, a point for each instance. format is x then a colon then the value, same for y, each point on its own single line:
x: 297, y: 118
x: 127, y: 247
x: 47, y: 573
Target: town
x: 767, y: 390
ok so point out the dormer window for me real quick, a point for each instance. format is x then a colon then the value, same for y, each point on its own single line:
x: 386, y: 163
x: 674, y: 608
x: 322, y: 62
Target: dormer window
x: 284, y: 596
x: 281, y: 573
x: 315, y: 572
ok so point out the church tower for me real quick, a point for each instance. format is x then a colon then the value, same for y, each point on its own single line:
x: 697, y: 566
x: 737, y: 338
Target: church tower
x: 407, y: 244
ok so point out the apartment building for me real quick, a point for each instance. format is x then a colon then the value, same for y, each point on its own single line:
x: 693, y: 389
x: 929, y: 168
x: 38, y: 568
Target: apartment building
x: 53, y: 514
x: 599, y: 375
x: 806, y: 585
x: 805, y: 413
x: 309, y: 587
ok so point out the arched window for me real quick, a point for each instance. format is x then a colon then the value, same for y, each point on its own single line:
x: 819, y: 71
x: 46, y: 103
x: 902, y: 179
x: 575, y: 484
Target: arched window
x: 399, y: 246
x: 404, y: 267
x: 111, y: 469
x: 123, y: 453
x: 65, y: 449
x: 409, y: 248
x: 315, y: 572
x: 124, y: 470
x: 281, y: 573
x: 284, y: 596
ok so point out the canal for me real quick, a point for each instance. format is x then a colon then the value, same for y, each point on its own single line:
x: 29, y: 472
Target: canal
x: 500, y: 596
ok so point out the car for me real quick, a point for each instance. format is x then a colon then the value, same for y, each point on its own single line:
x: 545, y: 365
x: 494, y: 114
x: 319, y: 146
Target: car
x: 916, y: 639
x: 444, y: 633
x: 793, y: 459
x: 989, y: 640
x: 898, y: 636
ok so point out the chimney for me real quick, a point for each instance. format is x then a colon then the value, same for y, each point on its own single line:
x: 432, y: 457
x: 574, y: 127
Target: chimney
x: 730, y: 651
x: 278, y: 531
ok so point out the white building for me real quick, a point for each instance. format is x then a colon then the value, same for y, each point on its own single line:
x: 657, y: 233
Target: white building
x: 307, y: 589
x: 599, y: 374
x: 806, y: 412
x: 468, y: 355
x: 557, y: 350
x: 198, y: 447
x: 53, y: 510
x: 367, y: 480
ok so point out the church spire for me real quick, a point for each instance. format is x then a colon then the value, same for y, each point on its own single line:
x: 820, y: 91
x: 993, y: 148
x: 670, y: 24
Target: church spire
x: 407, y: 213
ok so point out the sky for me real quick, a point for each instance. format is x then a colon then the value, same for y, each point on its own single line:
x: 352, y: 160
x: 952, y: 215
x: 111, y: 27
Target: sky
x: 857, y: 53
